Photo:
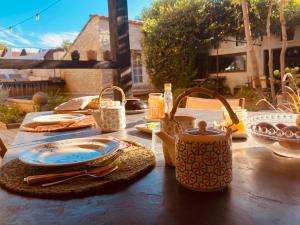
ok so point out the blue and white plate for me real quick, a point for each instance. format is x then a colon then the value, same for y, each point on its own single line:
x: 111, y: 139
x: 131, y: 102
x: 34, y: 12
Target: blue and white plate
x: 69, y: 152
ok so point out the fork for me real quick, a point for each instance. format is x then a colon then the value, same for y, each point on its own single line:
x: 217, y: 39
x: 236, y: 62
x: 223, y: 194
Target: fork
x: 92, y: 175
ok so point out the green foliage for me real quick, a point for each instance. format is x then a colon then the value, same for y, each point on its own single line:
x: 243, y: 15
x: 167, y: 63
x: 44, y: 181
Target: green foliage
x: 10, y: 114
x: 179, y: 34
x: 292, y: 16
x: 56, y: 98
x: 247, y: 93
x: 178, y: 92
x: 277, y: 77
x: 250, y: 96
x: 212, y: 85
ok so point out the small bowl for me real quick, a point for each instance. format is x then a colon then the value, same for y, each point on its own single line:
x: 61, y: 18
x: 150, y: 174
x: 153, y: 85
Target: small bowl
x: 284, y: 140
x: 135, y: 104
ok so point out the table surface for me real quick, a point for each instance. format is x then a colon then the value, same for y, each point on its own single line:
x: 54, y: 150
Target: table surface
x: 265, y: 189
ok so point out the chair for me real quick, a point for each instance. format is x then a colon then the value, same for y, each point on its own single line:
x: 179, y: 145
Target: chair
x: 3, y: 148
x: 204, y: 103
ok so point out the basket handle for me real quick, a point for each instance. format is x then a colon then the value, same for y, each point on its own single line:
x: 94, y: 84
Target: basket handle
x: 113, y: 88
x: 209, y: 93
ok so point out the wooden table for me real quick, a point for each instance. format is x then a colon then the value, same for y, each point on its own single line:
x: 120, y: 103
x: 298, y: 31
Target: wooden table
x: 265, y: 190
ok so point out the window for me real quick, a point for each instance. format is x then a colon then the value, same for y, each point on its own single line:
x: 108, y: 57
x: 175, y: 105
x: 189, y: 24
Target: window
x: 292, y: 58
x: 289, y: 35
x: 137, y: 67
x: 228, y: 63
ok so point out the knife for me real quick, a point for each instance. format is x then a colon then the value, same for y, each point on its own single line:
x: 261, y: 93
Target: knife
x: 105, y: 164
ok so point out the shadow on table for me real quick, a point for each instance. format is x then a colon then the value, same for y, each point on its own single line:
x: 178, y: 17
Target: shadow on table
x: 204, y: 206
x: 57, y: 136
x: 139, y: 134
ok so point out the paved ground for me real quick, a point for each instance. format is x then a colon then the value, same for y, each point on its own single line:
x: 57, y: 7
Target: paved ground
x: 8, y: 136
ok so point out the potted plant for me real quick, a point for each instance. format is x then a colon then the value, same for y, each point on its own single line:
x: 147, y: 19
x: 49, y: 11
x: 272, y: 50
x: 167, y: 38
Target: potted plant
x: 75, y: 55
x: 91, y: 55
x: 10, y: 117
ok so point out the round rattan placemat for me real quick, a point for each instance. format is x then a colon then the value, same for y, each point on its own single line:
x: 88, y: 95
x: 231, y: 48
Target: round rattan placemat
x: 138, y: 158
x: 37, y: 127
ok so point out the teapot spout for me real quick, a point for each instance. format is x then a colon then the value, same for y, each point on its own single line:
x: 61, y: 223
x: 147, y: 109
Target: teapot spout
x: 167, y: 139
x: 168, y: 146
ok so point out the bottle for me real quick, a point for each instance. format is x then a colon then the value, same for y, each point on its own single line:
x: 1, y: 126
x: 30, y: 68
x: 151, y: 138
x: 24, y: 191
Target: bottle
x: 168, y: 98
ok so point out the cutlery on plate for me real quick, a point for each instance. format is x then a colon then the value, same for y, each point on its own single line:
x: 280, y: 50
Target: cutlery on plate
x: 98, y: 174
x: 105, y: 164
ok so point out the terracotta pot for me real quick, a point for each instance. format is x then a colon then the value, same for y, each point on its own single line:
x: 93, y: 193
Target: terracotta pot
x: 91, y: 55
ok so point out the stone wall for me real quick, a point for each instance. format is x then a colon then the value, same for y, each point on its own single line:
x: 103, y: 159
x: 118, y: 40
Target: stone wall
x: 95, y: 36
x: 84, y: 81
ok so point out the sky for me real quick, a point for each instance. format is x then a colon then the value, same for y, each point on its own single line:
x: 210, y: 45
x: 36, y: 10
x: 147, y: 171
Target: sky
x: 62, y: 21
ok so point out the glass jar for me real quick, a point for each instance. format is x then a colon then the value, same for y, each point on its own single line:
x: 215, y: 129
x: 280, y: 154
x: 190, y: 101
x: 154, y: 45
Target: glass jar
x: 156, y: 106
x: 241, y: 127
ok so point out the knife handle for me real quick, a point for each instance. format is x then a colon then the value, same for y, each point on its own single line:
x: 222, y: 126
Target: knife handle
x: 35, y: 179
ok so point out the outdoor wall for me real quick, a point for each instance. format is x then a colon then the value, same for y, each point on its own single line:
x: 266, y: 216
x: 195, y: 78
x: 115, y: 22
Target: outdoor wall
x: 84, y: 81
x: 234, y: 79
x: 95, y: 36
x: 43, y: 74
x: 135, y: 40
x: 241, y: 78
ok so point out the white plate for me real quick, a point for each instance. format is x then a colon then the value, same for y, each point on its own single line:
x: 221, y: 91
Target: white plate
x: 69, y: 152
x: 58, y: 118
x: 148, y: 127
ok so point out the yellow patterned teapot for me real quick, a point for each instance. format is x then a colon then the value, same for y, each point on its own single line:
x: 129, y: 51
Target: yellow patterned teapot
x: 203, y: 157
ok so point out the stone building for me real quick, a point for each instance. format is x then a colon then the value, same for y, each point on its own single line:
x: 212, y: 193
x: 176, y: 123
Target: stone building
x: 95, y: 36
x: 235, y: 64
x: 30, y: 74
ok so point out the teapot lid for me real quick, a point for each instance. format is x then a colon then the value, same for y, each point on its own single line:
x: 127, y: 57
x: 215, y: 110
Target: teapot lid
x: 203, y: 131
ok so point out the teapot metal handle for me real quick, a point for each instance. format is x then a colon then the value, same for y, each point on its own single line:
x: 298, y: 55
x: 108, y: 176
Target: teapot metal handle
x: 212, y: 94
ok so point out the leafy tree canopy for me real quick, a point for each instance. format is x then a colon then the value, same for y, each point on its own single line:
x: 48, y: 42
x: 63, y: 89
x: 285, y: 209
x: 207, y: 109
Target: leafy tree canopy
x: 66, y: 44
x: 179, y: 33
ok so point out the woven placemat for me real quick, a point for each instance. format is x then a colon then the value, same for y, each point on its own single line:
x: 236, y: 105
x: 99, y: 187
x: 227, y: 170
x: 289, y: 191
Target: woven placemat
x: 38, y: 127
x: 138, y: 158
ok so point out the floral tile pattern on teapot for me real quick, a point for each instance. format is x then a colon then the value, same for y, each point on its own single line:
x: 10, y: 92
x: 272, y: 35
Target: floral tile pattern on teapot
x: 204, y: 166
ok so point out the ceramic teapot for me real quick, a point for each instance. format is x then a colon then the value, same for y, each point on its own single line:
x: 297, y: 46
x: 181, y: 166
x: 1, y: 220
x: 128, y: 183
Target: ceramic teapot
x: 111, y: 114
x: 203, y: 157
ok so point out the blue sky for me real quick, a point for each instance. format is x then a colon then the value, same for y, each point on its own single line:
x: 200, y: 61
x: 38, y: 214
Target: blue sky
x: 62, y: 21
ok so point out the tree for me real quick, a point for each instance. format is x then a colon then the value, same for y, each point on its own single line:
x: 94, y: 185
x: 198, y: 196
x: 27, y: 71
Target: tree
x: 250, y: 47
x: 283, y: 43
x: 270, y: 52
x: 179, y: 35
x: 66, y: 44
